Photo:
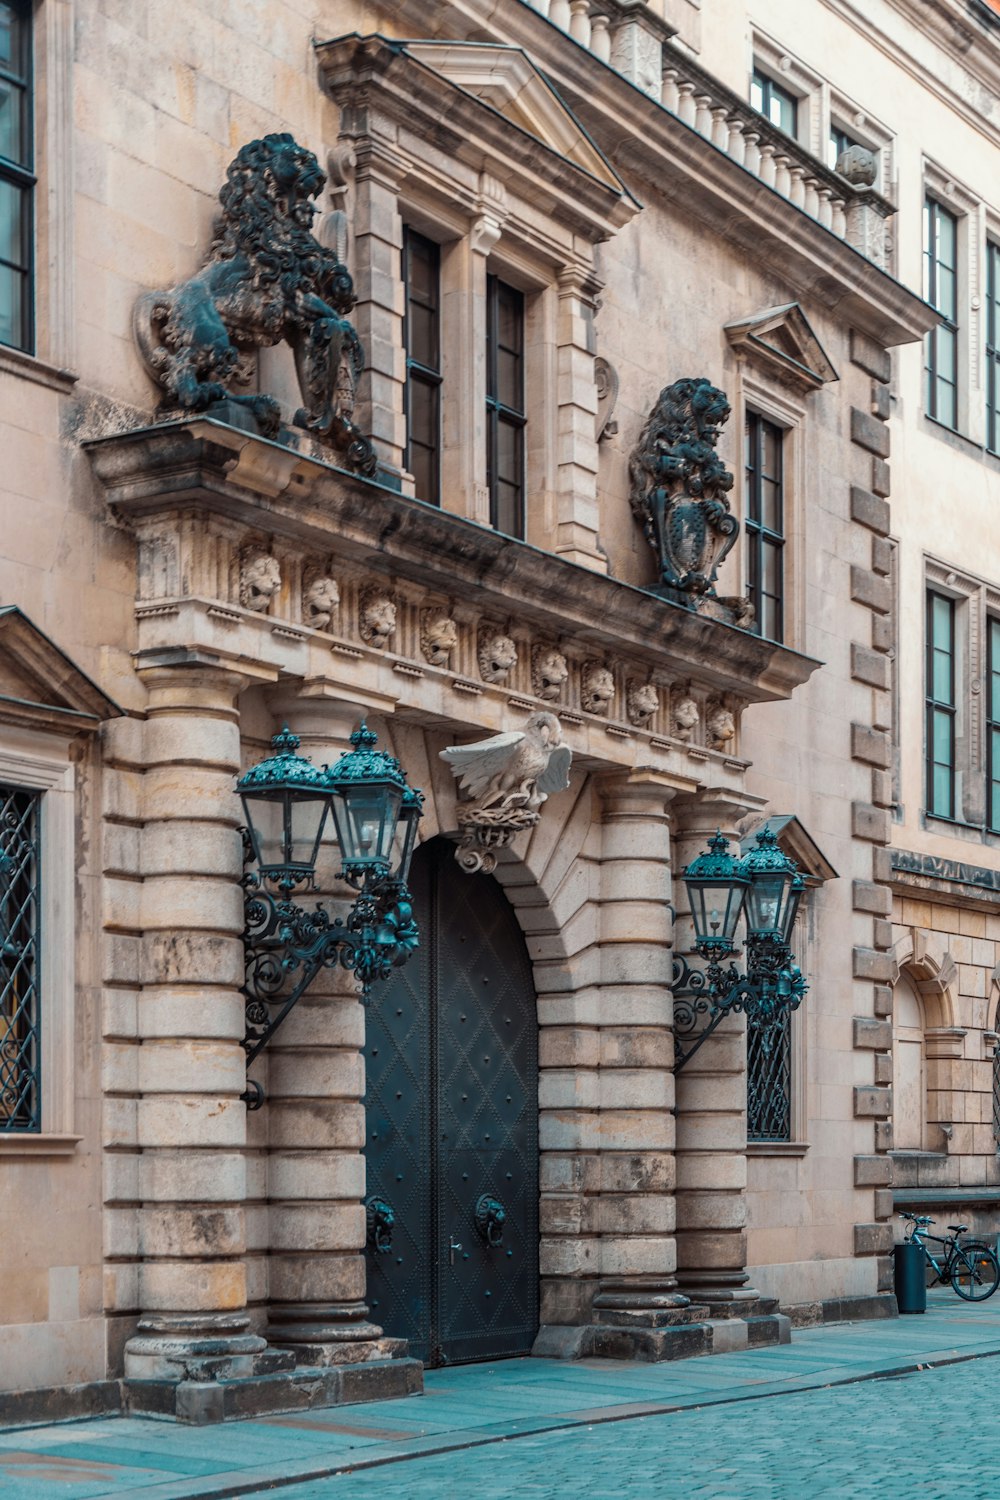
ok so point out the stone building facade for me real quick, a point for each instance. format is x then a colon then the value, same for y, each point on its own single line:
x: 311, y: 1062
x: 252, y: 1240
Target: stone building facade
x: 553, y: 213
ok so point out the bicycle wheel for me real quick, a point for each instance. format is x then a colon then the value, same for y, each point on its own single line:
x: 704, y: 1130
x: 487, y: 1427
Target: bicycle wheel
x: 975, y: 1272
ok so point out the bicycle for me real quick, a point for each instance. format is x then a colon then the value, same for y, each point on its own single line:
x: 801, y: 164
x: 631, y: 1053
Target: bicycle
x: 972, y: 1267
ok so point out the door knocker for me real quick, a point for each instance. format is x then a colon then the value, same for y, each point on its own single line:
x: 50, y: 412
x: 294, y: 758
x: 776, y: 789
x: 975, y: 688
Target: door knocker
x: 490, y: 1216
x: 381, y: 1221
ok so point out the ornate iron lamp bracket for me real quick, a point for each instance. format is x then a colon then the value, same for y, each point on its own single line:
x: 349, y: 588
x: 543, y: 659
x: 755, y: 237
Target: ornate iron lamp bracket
x: 703, y: 998
x: 285, y: 941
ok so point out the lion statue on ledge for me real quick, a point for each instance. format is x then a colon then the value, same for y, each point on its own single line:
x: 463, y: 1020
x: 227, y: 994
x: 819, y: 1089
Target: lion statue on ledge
x: 267, y: 279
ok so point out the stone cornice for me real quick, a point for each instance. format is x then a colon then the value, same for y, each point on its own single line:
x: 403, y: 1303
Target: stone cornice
x: 205, y: 468
x: 373, y: 79
x: 643, y: 139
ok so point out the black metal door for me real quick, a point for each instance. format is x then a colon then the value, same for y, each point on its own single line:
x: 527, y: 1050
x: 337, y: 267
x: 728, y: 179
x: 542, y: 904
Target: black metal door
x: 452, y: 1113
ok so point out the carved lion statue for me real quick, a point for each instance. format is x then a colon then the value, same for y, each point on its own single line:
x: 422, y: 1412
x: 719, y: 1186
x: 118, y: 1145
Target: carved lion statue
x: 641, y: 702
x: 678, y: 486
x: 549, y: 673
x: 267, y: 280
x: 685, y: 716
x: 721, y: 725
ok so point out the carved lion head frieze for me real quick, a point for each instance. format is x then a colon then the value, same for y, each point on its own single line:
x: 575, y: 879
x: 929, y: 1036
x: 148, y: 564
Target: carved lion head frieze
x: 549, y: 673
x: 497, y: 655
x: 320, y: 597
x: 597, y: 687
x: 684, y: 714
x: 376, y: 617
x: 438, y: 636
x: 642, y: 701
x: 721, y: 725
x: 260, y: 579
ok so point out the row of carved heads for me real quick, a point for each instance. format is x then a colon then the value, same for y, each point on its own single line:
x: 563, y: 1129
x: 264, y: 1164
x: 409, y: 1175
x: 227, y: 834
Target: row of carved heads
x: 260, y: 580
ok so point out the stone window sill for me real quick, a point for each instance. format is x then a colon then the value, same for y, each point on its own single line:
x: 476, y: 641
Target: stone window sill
x: 777, y: 1148
x: 41, y: 1144
x: 16, y: 362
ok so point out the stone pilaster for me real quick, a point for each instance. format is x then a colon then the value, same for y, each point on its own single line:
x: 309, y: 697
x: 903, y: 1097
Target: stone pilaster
x: 315, y: 1122
x: 191, y: 1120
x: 379, y: 315
x: 711, y: 1116
x: 577, y: 521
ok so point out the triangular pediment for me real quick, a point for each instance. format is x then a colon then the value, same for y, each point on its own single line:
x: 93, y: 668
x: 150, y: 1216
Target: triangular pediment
x: 797, y: 843
x: 781, y: 338
x: 507, y: 80
x: 40, y: 685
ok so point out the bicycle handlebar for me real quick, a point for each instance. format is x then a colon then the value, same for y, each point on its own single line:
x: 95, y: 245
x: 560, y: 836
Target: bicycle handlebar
x: 918, y: 1218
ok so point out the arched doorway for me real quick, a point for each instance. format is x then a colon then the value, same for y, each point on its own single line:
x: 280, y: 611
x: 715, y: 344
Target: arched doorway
x: 452, y: 1126
x: 909, y: 1092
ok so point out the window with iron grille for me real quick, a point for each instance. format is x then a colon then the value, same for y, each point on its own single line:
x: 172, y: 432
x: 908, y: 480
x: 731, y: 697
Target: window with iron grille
x: 993, y: 346
x: 17, y: 179
x: 505, y: 414
x: 774, y: 103
x: 941, y: 291
x: 20, y: 873
x: 993, y: 724
x: 996, y: 1081
x: 769, y: 1078
x: 940, y: 705
x: 764, y: 526
x: 422, y: 338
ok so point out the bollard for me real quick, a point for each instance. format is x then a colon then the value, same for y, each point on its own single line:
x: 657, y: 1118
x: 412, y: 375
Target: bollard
x: 910, y: 1277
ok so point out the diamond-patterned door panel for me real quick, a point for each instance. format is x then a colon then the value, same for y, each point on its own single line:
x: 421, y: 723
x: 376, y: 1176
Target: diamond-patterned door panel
x: 452, y: 1116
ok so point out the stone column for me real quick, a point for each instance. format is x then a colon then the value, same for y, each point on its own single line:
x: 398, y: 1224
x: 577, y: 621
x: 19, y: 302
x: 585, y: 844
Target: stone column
x: 577, y: 520
x: 634, y: 1209
x: 711, y: 1113
x: 191, y: 1068
x: 379, y: 315
x: 315, y: 1121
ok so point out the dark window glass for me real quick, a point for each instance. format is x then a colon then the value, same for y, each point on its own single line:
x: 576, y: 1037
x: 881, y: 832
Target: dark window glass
x: 765, y: 526
x: 993, y: 724
x: 769, y: 1078
x: 17, y: 179
x: 422, y: 339
x: 20, y: 1102
x: 774, y: 102
x: 993, y: 346
x: 940, y: 705
x: 941, y: 291
x: 505, y: 416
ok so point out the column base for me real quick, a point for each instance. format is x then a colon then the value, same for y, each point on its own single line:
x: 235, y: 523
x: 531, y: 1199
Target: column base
x: 691, y: 1333
x: 174, y: 1347
x: 334, y: 1334
x: 201, y: 1403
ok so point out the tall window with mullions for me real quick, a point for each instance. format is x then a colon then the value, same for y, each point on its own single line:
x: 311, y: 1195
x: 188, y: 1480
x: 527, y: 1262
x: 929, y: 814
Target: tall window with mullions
x: 422, y: 339
x: 20, y: 1102
x: 940, y: 705
x: 765, y: 524
x: 941, y: 291
x: 993, y: 724
x: 505, y: 415
x: 17, y: 180
x: 993, y: 346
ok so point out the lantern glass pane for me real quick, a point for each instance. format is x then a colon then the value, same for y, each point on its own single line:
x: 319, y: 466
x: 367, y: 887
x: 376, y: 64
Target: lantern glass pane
x: 716, y: 910
x: 765, y: 901
x: 404, y: 841
x: 266, y: 822
x: 791, y: 909
x: 370, y: 814
x: 306, y: 818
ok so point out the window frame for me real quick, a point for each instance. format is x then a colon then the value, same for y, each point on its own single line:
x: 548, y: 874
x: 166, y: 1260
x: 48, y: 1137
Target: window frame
x: 758, y: 536
x: 46, y: 769
x: 992, y: 344
x: 20, y: 175
x: 991, y: 717
x: 499, y: 413
x: 934, y: 707
x: 950, y: 323
x: 428, y: 375
x: 760, y: 78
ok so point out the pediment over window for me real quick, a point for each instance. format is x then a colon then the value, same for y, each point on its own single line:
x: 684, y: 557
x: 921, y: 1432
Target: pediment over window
x: 781, y: 339
x: 40, y: 686
x: 797, y: 843
x: 480, y: 104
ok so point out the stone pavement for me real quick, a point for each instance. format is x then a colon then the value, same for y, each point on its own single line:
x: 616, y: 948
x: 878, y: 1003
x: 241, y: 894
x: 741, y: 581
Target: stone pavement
x: 545, y: 1429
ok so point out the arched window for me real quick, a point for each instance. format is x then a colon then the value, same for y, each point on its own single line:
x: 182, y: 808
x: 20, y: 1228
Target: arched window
x: 909, y: 1090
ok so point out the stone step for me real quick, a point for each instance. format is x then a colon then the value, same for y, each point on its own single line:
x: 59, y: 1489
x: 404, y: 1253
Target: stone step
x: 202, y: 1402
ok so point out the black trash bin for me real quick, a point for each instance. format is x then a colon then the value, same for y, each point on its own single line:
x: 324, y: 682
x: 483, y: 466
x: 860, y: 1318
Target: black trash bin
x: 910, y: 1277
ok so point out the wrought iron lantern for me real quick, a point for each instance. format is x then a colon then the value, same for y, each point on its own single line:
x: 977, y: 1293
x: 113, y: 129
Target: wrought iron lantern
x: 765, y: 887
x: 375, y: 815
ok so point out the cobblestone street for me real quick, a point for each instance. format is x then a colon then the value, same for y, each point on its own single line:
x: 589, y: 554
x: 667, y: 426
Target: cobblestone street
x: 931, y: 1434
x: 901, y: 1407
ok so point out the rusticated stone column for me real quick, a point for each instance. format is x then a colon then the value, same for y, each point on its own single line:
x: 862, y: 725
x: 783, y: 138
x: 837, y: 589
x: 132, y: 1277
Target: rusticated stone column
x: 191, y: 1119
x: 711, y: 1112
x: 634, y: 1207
x: 316, y: 1133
